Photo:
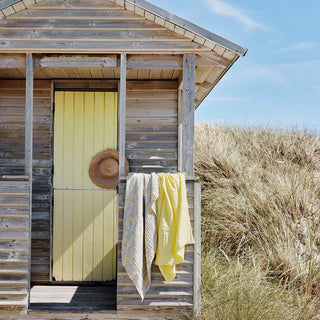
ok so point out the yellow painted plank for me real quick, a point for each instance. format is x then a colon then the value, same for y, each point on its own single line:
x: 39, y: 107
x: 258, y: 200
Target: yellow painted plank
x: 87, y: 236
x: 109, y: 244
x: 57, y: 235
x: 58, y: 140
x: 77, y: 274
x: 110, y: 121
x: 88, y: 140
x: 67, y: 258
x: 78, y: 129
x: 98, y: 234
x: 99, y: 124
x: 68, y: 139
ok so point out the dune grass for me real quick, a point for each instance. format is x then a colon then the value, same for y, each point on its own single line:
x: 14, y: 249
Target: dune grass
x: 261, y: 222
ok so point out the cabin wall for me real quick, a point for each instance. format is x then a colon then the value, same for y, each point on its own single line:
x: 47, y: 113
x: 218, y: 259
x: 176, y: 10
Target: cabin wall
x: 152, y: 146
x: 12, y: 109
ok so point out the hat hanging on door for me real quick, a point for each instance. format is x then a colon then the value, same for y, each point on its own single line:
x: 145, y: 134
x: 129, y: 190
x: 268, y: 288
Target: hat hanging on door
x: 104, y: 169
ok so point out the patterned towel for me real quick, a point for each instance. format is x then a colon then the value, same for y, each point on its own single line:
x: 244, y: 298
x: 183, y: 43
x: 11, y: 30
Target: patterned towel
x: 136, y: 236
x: 173, y: 223
x: 151, y: 193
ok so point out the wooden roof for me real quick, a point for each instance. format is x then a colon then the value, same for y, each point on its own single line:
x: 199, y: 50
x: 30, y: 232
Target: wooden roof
x: 110, y: 27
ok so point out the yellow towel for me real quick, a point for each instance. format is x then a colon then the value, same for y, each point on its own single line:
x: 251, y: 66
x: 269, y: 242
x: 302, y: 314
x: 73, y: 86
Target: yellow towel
x: 173, y: 223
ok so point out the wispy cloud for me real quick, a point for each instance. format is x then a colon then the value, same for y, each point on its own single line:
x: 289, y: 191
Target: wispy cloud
x: 226, y: 9
x: 227, y: 99
x: 300, y: 46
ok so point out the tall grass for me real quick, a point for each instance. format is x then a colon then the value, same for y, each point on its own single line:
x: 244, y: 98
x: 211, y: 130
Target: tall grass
x: 261, y: 222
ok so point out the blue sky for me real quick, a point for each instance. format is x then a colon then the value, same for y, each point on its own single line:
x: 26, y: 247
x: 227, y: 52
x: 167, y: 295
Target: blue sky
x: 278, y: 82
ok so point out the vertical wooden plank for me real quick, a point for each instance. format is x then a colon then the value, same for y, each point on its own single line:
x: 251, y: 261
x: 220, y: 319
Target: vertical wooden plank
x: 58, y: 140
x: 88, y: 142
x: 115, y: 234
x: 68, y: 140
x: 28, y: 150
x: 77, y: 235
x: 98, y: 234
x: 122, y: 114
x: 78, y: 140
x: 197, y: 251
x: 189, y: 62
x: 87, y: 235
x: 110, y: 139
x: 29, y: 116
x: 67, y: 225
x: 57, y: 235
x: 108, y: 258
x: 180, y: 149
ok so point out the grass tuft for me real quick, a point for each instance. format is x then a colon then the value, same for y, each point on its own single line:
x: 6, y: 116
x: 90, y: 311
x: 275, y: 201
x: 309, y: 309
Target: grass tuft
x: 261, y: 221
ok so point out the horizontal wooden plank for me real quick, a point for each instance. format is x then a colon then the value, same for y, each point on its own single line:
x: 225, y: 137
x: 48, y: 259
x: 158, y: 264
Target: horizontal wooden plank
x: 155, y: 291
x: 151, y: 146
x: 14, y: 256
x: 152, y: 85
x: 158, y: 280
x: 14, y: 186
x: 81, y: 24
x: 150, y: 121
x: 14, y: 199
x: 151, y: 129
x: 159, y: 301
x: 155, y: 155
x: 109, y: 46
x: 103, y: 14
x: 95, y: 35
x: 181, y: 268
x: 133, y: 137
x: 75, y: 4
x: 152, y: 104
x: 14, y: 222
x: 20, y: 85
x: 152, y: 94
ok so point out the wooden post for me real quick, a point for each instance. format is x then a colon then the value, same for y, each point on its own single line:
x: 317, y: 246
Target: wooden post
x: 197, y: 251
x: 188, y: 96
x: 28, y: 148
x: 122, y: 115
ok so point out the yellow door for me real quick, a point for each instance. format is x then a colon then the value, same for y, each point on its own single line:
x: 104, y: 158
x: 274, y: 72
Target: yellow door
x: 84, y: 218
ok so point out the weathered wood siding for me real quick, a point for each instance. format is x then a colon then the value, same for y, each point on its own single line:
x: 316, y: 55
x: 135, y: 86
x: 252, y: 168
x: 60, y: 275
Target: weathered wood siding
x: 14, y: 245
x: 151, y: 146
x: 12, y: 104
x: 93, y: 27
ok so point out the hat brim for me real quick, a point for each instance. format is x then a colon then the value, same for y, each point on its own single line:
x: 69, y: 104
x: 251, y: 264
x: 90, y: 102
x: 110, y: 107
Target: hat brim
x: 96, y: 178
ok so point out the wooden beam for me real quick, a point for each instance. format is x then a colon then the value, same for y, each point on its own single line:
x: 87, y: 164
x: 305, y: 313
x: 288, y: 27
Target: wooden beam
x: 154, y: 61
x: 188, y: 96
x: 197, y: 251
x: 78, y: 61
x: 28, y: 147
x: 122, y: 114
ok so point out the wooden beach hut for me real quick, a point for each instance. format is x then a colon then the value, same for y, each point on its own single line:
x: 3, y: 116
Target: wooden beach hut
x: 78, y: 77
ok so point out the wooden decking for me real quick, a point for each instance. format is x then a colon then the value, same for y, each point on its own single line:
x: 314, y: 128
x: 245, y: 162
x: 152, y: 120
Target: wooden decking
x: 73, y: 298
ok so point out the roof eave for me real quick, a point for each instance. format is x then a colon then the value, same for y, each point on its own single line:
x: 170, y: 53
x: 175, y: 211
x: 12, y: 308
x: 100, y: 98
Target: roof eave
x: 190, y: 26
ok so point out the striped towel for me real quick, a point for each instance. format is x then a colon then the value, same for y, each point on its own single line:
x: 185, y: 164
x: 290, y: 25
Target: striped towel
x: 137, y: 261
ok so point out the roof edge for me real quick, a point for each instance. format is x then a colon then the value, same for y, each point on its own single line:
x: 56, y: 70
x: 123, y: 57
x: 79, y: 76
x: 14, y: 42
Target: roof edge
x: 7, y: 3
x: 190, y: 26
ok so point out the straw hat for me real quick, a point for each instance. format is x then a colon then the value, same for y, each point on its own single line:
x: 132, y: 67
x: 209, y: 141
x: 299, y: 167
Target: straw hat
x: 104, y: 169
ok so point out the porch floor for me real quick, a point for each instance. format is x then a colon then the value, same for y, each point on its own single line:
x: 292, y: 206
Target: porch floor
x: 72, y: 298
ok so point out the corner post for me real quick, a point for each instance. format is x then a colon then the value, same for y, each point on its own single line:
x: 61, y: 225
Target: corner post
x: 29, y: 148
x: 187, y: 116
x: 122, y: 115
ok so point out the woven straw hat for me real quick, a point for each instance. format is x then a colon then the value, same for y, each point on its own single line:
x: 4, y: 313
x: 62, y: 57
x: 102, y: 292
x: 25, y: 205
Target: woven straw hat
x: 104, y: 169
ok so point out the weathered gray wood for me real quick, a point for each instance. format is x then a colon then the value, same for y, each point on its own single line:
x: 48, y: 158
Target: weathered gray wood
x: 188, y: 105
x: 80, y: 61
x: 197, y: 251
x: 29, y: 115
x: 180, y: 130
x: 122, y: 114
